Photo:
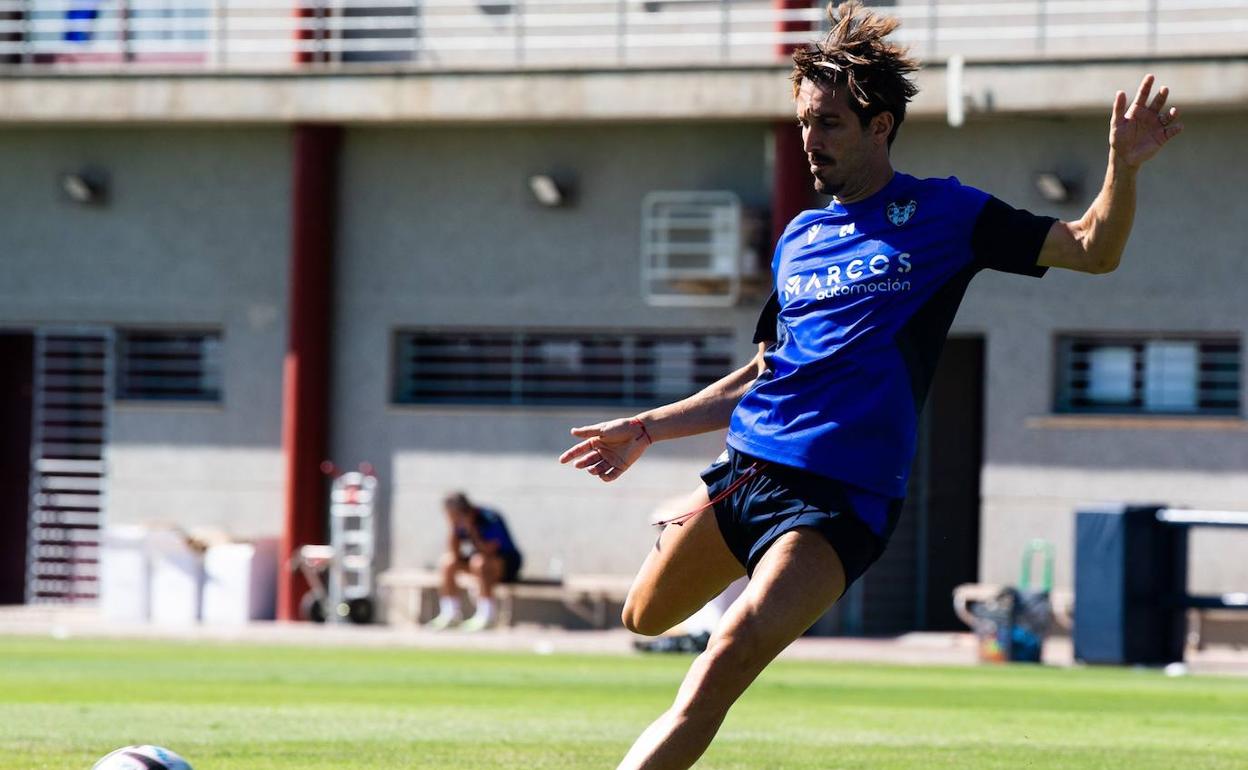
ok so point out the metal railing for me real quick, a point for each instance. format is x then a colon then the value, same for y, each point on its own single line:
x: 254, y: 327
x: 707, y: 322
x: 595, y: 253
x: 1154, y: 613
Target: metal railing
x: 233, y: 35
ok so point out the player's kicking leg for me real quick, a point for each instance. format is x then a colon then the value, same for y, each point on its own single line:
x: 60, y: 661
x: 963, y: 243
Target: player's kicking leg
x: 794, y: 583
x: 688, y: 566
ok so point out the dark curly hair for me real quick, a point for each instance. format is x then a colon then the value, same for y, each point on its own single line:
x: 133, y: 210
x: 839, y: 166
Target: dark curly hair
x: 457, y: 501
x: 855, y: 55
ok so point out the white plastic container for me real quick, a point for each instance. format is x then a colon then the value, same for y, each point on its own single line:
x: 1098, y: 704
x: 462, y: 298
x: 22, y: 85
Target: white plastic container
x: 240, y: 582
x: 177, y: 579
x: 125, y: 581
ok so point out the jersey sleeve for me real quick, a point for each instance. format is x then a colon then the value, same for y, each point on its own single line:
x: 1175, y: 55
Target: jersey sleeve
x: 765, y: 329
x: 1008, y: 239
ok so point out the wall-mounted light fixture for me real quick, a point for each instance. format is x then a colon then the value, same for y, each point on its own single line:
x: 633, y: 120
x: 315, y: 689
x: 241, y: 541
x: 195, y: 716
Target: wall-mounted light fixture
x: 88, y: 186
x: 1054, y: 188
x: 550, y: 190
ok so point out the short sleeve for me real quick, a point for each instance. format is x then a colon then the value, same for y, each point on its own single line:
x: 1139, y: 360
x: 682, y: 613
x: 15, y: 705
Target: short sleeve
x: 1009, y: 239
x: 765, y: 330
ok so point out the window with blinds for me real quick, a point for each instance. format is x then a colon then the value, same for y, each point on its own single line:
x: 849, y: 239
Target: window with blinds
x: 169, y: 365
x: 1158, y: 375
x: 556, y: 368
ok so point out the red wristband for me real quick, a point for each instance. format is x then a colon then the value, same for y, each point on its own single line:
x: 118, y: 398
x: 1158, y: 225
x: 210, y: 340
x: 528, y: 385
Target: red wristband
x: 637, y: 421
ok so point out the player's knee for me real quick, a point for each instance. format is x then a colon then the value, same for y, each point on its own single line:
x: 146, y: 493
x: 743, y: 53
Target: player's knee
x: 476, y: 563
x: 637, y: 620
x: 448, y: 562
x: 716, y: 686
x: 738, y: 648
x: 631, y: 618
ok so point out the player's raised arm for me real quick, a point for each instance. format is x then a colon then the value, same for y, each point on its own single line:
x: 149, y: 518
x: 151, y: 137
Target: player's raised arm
x: 1094, y: 243
x: 610, y: 448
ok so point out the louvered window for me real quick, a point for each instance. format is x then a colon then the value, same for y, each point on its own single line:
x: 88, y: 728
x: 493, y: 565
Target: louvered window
x: 169, y: 365
x: 556, y: 368
x: 691, y: 248
x: 1157, y: 375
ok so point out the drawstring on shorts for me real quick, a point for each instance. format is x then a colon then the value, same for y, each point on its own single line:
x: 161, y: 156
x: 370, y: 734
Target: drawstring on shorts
x: 680, y: 519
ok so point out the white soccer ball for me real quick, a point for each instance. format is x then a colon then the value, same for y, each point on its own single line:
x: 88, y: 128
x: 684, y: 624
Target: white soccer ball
x: 142, y: 758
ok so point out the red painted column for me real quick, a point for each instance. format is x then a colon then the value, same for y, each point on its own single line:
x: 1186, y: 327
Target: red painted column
x: 305, y: 375
x: 304, y: 17
x: 783, y: 26
x: 791, y: 184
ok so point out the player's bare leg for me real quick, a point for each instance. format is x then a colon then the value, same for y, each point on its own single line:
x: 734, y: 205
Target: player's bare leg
x: 449, y: 612
x: 688, y: 566
x: 448, y: 565
x: 488, y: 570
x: 793, y: 585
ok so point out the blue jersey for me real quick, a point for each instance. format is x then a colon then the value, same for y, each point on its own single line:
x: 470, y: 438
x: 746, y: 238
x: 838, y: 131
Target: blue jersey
x: 865, y: 294
x: 492, y: 529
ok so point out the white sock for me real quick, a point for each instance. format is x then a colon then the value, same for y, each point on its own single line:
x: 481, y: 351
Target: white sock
x: 448, y: 606
x: 485, y: 608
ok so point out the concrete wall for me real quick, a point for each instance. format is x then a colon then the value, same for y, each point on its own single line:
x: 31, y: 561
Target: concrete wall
x: 194, y: 234
x: 439, y: 230
x: 421, y: 255
x: 1182, y: 272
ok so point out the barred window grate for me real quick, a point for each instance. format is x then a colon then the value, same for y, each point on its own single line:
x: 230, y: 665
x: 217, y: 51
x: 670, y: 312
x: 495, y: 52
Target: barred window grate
x: 556, y: 368
x: 169, y: 366
x: 1157, y: 375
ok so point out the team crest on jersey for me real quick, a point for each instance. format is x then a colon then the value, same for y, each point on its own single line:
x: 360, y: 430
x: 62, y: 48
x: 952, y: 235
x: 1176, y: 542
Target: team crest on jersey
x: 899, y: 212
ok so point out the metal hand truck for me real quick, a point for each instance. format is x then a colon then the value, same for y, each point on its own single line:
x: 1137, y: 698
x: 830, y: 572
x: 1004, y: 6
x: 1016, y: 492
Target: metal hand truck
x: 347, y: 595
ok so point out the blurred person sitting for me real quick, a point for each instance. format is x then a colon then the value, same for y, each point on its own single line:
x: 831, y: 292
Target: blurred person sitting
x: 479, y: 544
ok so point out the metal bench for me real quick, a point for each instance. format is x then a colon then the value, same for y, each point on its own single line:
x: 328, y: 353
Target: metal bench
x: 1131, y: 579
x: 1209, y: 617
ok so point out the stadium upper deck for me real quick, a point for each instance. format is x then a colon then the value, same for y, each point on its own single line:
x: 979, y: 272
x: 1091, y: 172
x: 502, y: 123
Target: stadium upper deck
x: 464, y: 61
x: 446, y: 35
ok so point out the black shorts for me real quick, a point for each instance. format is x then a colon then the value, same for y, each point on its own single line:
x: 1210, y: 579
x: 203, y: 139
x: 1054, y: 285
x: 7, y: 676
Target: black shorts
x: 777, y: 498
x: 511, y: 564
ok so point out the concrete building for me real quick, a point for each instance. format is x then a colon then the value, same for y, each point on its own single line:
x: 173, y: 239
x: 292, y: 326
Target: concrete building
x: 151, y: 212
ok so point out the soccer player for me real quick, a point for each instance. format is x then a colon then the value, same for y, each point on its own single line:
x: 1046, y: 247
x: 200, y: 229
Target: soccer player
x: 481, y: 545
x: 822, y: 422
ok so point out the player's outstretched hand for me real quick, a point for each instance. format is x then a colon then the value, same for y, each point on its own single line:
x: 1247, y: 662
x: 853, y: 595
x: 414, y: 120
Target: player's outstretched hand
x: 1139, y: 131
x: 609, y: 448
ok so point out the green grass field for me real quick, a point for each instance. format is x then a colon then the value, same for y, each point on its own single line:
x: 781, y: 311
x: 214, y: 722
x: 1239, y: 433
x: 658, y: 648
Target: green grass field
x: 65, y: 703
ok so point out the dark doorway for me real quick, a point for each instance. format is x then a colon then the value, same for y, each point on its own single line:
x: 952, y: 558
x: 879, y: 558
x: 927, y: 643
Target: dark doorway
x: 936, y: 544
x: 949, y: 536
x: 16, y: 389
